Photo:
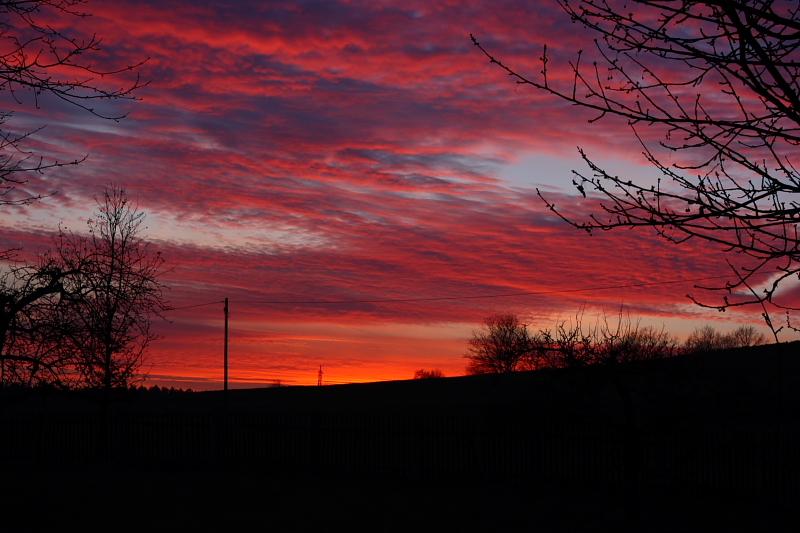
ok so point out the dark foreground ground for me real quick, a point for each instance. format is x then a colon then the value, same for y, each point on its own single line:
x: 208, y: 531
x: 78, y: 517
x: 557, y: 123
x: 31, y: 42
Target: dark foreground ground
x: 87, y: 498
x: 725, y: 389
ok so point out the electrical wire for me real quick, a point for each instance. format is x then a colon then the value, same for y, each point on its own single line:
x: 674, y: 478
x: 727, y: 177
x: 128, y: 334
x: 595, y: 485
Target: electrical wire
x: 450, y: 298
x: 504, y: 295
x: 196, y: 305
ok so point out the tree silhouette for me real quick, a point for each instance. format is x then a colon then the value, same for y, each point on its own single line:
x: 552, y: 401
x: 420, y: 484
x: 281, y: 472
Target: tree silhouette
x: 499, y: 346
x: 37, y: 59
x: 117, y: 291
x: 428, y: 374
x: 720, y: 80
x: 708, y: 339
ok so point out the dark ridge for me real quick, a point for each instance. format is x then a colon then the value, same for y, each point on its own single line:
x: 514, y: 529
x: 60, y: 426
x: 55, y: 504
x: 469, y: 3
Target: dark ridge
x: 727, y: 384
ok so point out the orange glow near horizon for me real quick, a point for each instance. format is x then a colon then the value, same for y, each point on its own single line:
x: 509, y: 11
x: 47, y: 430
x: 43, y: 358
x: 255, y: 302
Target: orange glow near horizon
x: 348, y: 354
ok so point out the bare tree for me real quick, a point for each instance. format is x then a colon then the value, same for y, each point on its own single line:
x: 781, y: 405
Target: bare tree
x: 721, y: 81
x: 37, y: 59
x: 81, y: 316
x: 573, y: 344
x: 499, y: 346
x: 708, y: 339
x: 118, y: 291
x: 705, y: 339
x: 565, y: 347
x: 746, y: 336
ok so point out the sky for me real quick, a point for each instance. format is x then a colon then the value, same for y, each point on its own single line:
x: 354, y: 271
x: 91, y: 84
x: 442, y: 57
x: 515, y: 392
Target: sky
x: 340, y: 151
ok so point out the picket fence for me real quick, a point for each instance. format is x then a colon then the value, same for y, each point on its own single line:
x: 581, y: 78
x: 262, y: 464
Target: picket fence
x: 444, y: 447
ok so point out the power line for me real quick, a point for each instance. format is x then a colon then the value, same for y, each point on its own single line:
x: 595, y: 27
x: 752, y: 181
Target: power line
x: 504, y: 295
x: 450, y: 298
x: 403, y: 300
x: 196, y: 305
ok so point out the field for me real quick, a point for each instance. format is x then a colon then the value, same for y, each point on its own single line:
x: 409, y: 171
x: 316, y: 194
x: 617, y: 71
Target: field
x: 38, y: 498
x: 310, y: 458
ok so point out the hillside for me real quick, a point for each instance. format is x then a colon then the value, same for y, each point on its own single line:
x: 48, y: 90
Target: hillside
x: 556, y: 441
x: 740, y: 385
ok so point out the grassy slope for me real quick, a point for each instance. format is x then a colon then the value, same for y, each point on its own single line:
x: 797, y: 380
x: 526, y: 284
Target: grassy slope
x: 739, y: 385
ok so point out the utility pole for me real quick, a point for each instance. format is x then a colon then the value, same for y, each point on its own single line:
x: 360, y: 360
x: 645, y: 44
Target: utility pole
x: 226, y: 354
x: 319, y: 377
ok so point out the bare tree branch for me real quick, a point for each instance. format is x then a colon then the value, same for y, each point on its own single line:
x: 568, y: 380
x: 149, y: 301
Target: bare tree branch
x: 37, y: 59
x: 719, y: 79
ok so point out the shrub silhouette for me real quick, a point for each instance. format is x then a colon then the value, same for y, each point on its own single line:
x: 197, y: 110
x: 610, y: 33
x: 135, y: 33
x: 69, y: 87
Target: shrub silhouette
x: 708, y: 339
x: 428, y: 374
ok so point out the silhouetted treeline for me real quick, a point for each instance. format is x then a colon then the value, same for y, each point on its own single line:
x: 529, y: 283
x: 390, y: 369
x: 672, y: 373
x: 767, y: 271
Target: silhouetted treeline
x: 155, y: 389
x: 619, y: 357
x: 506, y: 345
